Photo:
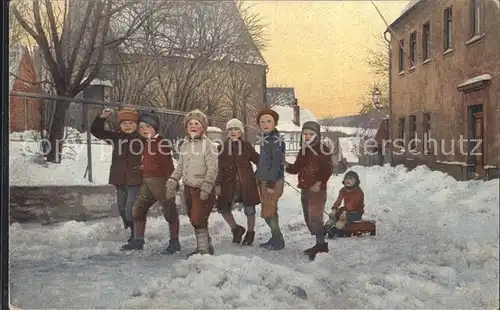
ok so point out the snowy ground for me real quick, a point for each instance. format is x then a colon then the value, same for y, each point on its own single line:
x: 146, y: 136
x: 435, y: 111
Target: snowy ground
x: 436, y: 247
x: 27, y: 167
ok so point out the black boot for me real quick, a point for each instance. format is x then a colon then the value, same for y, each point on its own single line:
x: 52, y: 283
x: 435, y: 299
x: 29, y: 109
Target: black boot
x: 249, y: 238
x: 135, y: 244
x: 238, y: 232
x: 318, y: 248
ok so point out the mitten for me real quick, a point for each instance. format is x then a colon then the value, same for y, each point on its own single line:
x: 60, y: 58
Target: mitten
x: 204, y: 195
x: 170, y: 189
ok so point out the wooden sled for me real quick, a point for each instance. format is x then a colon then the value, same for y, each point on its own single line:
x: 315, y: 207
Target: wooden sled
x: 359, y: 228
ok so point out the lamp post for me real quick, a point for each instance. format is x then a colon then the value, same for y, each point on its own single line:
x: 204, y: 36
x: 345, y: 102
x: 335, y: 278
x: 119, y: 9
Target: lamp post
x: 376, y: 98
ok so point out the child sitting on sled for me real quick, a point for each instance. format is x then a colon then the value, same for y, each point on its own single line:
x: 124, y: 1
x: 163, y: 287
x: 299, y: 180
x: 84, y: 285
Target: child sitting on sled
x: 354, y: 203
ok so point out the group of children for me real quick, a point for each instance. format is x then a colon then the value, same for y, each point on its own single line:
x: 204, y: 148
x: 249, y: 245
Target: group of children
x: 221, y: 176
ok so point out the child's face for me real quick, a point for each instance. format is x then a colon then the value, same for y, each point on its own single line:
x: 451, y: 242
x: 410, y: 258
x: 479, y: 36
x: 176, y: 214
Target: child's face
x: 349, y: 181
x: 128, y: 126
x: 194, y: 128
x: 147, y: 130
x: 266, y: 123
x: 308, y: 135
x: 234, y: 133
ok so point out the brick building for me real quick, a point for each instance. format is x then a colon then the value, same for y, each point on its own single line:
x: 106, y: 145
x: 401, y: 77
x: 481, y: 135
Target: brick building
x: 445, y: 85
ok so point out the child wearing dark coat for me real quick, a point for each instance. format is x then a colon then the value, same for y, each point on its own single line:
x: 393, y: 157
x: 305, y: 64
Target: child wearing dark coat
x: 314, y: 168
x: 236, y: 181
x: 353, y: 199
x: 124, y: 172
x: 157, y: 166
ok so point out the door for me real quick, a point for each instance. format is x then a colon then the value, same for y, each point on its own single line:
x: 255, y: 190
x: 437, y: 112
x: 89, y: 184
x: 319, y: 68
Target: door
x: 478, y: 142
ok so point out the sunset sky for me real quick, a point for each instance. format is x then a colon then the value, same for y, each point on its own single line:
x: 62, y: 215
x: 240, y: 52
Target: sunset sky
x: 320, y: 47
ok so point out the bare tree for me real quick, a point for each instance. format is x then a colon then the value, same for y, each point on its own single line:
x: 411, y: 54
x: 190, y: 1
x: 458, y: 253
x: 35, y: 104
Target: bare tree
x: 202, y: 40
x: 280, y: 95
x: 73, y: 37
x: 378, y: 62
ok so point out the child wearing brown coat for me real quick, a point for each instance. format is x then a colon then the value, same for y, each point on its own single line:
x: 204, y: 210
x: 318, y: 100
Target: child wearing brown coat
x: 124, y: 172
x: 314, y: 168
x: 236, y: 181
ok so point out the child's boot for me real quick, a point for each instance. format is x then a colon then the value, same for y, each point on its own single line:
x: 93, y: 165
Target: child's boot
x: 203, y: 245
x: 134, y: 245
x: 277, y: 241
x: 318, y: 248
x: 238, y: 233
x: 173, y: 245
x: 249, y: 238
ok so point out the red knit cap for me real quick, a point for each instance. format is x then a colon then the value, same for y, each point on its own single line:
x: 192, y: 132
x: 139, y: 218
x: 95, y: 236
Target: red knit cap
x: 267, y: 111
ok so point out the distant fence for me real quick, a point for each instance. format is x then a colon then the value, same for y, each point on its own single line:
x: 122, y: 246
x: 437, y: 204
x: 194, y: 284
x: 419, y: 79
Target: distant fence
x: 90, y: 109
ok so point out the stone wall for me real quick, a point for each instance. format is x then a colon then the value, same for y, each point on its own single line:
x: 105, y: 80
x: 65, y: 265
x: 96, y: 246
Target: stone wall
x: 49, y: 204
x: 52, y: 204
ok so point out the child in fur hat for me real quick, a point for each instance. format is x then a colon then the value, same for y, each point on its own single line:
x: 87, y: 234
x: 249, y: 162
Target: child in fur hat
x: 314, y: 168
x: 197, y: 167
x: 236, y: 181
x: 157, y: 166
x: 270, y: 175
x: 124, y: 172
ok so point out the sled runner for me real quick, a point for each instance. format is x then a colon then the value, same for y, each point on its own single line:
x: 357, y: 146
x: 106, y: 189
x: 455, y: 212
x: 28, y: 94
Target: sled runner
x: 359, y: 228
x: 337, y: 225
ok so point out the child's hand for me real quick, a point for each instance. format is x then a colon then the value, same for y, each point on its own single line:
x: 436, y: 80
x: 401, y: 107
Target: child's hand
x: 106, y: 112
x: 217, y: 190
x: 316, y: 187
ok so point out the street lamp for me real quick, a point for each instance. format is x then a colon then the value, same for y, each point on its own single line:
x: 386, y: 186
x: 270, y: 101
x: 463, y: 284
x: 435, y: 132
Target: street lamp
x: 376, y: 98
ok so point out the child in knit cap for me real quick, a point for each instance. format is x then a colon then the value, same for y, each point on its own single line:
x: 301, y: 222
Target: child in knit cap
x: 314, y: 168
x: 236, y: 181
x: 157, y: 166
x: 197, y: 167
x: 270, y: 175
x: 124, y: 172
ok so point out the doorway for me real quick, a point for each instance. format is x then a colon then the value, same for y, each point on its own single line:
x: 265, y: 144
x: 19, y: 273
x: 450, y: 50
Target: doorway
x: 476, y: 140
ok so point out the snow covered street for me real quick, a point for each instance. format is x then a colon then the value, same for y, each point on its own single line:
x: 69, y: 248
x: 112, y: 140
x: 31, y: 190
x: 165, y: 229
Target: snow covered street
x: 436, y: 247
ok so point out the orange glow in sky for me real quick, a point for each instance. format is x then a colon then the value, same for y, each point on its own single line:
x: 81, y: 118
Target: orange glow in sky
x: 320, y: 47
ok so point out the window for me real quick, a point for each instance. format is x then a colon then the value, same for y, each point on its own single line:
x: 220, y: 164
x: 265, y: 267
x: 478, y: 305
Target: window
x: 413, y: 48
x: 448, y: 31
x: 426, y: 41
x: 413, y: 132
x: 475, y: 17
x: 401, y: 55
x: 402, y: 131
x: 426, y: 127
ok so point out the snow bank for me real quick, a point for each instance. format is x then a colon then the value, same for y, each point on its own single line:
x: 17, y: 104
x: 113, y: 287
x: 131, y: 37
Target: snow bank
x: 436, y: 247
x: 27, y: 167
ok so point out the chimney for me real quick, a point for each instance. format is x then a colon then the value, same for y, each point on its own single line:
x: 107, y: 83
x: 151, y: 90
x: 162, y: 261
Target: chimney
x: 296, y: 112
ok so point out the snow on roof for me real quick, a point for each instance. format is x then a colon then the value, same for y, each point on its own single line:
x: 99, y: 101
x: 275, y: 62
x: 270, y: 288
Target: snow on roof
x: 410, y: 5
x: 286, y: 114
x: 479, y: 78
x: 356, y: 131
